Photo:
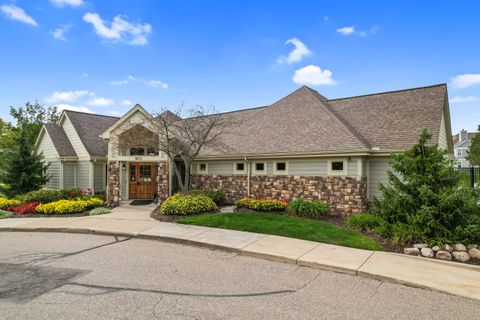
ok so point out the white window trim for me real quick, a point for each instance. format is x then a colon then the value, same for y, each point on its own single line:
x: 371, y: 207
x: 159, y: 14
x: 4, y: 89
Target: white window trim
x: 280, y: 172
x: 264, y: 171
x: 200, y: 171
x: 331, y: 172
x: 244, y: 171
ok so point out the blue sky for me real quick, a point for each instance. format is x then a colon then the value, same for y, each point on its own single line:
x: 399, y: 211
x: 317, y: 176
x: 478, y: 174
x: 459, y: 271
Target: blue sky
x: 104, y: 56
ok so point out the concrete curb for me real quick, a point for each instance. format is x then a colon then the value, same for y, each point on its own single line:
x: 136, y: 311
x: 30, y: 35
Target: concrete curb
x: 362, y: 267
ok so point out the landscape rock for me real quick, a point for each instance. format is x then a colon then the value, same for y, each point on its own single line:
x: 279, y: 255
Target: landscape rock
x: 427, y: 253
x: 474, y: 253
x: 472, y: 246
x: 411, y: 251
x: 436, y: 248
x: 419, y: 245
x: 459, y: 247
x: 461, y: 256
x: 448, y: 248
x: 444, y: 255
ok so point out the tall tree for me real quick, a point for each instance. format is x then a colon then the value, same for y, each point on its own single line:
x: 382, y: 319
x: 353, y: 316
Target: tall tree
x: 31, y: 117
x: 474, y: 151
x: 24, y: 170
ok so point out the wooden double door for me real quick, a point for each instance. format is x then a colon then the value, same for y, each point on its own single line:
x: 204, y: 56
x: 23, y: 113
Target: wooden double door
x: 142, y: 180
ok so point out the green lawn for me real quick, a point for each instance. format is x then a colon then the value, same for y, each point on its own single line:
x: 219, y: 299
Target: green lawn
x: 285, y: 226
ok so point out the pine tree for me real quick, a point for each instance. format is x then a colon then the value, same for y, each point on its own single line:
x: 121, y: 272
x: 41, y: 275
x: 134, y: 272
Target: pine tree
x: 24, y: 170
x: 423, y: 198
x: 474, y: 151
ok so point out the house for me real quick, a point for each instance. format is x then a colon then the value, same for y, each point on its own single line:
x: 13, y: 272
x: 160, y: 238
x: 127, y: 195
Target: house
x: 461, y: 144
x: 303, y: 145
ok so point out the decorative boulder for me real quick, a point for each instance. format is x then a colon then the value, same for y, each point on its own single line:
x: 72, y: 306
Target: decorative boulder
x: 436, y: 248
x: 448, y: 248
x: 411, y: 251
x: 459, y: 247
x: 427, y: 252
x: 419, y: 245
x: 474, y: 253
x: 444, y: 255
x: 472, y: 246
x: 461, y: 256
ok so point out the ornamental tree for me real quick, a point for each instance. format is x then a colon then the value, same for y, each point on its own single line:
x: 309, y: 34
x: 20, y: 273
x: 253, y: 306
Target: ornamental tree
x: 474, y: 151
x: 424, y: 199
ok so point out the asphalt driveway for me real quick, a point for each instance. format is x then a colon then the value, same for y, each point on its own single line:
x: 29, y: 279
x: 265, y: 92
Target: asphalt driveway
x: 77, y: 276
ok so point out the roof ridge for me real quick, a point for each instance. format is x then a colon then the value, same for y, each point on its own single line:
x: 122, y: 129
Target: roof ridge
x: 90, y: 114
x: 391, y: 91
x: 344, y: 122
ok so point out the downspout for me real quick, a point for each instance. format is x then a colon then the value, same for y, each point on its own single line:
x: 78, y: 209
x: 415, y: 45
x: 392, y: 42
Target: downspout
x: 248, y: 176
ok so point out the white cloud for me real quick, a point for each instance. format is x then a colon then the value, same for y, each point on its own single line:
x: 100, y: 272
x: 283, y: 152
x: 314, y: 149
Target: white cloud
x: 298, y: 53
x: 100, y: 102
x: 119, y: 30
x: 313, y: 75
x: 67, y: 96
x: 63, y: 106
x: 59, y: 33
x: 84, y: 75
x: 118, y: 82
x: 17, y: 13
x: 346, y: 30
x: 459, y: 99
x: 465, y: 80
x: 126, y: 102
x: 114, y: 112
x: 157, y: 84
x: 72, y: 3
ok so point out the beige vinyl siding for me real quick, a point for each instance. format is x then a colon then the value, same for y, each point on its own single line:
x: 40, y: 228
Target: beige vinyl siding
x: 47, y: 147
x: 442, y: 136
x: 69, y: 175
x: 53, y: 172
x: 74, y: 138
x: 83, y: 174
x: 99, y: 177
x: 377, y: 171
x: 297, y: 166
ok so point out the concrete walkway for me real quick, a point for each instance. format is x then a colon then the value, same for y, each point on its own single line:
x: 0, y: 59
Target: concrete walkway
x: 449, y: 277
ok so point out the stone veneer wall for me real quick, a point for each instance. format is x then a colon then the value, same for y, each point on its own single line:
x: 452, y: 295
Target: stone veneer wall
x: 345, y: 195
x: 113, y: 183
x: 163, y: 179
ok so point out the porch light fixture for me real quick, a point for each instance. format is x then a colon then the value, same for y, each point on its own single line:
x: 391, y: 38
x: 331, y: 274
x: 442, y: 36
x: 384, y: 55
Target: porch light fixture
x: 124, y: 167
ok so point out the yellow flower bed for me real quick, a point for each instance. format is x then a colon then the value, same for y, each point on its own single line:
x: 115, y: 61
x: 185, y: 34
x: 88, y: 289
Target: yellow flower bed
x: 5, y: 203
x: 187, y: 204
x: 69, y: 206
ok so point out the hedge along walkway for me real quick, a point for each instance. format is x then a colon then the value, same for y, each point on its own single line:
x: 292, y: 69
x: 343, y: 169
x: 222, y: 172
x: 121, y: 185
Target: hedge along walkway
x: 282, y: 225
x: 453, y: 278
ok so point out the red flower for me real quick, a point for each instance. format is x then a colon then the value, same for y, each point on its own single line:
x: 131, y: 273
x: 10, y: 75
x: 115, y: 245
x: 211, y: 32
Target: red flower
x: 24, y: 208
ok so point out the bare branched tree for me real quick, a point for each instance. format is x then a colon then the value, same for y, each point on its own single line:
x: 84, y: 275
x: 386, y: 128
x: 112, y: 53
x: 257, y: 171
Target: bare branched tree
x: 180, y: 138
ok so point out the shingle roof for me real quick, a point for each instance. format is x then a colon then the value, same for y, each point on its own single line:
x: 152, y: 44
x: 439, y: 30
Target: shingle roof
x: 89, y: 127
x: 470, y: 136
x: 60, y: 140
x: 306, y: 122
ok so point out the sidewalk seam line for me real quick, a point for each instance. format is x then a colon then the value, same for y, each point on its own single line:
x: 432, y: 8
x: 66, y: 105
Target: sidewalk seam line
x: 356, y: 271
x: 296, y: 260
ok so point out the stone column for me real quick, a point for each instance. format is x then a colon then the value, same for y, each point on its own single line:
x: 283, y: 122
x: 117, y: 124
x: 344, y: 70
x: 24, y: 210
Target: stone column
x: 113, y: 183
x: 163, y: 180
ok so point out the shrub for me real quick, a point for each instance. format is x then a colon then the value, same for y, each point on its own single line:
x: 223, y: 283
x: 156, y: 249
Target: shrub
x: 243, y: 203
x: 365, y: 222
x: 43, y: 195
x: 187, y: 204
x: 5, y: 214
x: 307, y: 208
x: 69, y: 206
x: 99, y: 210
x: 470, y: 234
x: 93, y: 202
x: 6, y: 203
x: 267, y: 205
x: 218, y: 196
x: 424, y: 200
x: 25, y: 208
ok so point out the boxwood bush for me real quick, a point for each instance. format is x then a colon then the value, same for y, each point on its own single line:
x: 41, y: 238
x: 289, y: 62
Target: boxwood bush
x: 218, y: 196
x: 180, y: 204
x: 267, y: 205
x: 307, y: 208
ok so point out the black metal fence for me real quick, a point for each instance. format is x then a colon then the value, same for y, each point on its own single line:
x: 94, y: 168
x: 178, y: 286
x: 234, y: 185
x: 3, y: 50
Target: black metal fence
x: 469, y: 177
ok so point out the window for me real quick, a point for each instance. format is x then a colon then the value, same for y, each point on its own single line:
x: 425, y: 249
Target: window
x: 459, y: 164
x: 260, y: 168
x: 133, y: 173
x: 137, y: 151
x: 239, y: 168
x: 459, y: 152
x: 146, y: 173
x: 152, y: 152
x: 202, y: 168
x: 280, y: 168
x: 337, y: 167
